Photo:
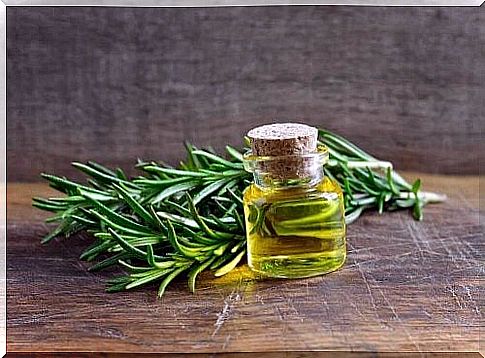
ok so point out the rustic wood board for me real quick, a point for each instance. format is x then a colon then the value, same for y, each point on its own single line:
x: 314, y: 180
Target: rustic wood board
x: 114, y: 84
x: 407, y: 286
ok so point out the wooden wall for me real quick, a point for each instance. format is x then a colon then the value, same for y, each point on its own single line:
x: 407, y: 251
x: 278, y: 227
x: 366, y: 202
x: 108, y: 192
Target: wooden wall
x: 114, y: 84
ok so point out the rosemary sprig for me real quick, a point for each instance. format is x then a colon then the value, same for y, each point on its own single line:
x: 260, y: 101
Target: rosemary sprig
x: 169, y: 221
x: 371, y: 183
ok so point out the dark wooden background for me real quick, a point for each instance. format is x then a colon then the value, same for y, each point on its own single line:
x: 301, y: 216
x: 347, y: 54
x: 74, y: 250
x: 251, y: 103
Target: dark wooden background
x: 114, y: 84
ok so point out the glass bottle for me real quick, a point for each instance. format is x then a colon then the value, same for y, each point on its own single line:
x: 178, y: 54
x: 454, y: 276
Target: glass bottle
x: 294, y: 214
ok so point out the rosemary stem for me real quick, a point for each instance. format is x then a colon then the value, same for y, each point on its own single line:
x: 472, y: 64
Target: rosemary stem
x: 426, y: 196
x: 375, y: 164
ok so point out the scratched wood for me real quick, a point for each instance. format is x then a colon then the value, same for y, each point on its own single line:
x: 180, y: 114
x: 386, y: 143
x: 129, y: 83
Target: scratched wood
x: 407, y: 286
x: 115, y: 84
x: 327, y: 354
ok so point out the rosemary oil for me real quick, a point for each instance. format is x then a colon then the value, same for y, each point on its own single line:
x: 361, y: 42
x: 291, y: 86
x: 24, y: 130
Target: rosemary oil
x: 294, y: 214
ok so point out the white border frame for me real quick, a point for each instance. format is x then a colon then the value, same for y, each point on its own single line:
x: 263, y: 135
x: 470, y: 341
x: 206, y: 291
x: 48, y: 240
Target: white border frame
x: 132, y: 3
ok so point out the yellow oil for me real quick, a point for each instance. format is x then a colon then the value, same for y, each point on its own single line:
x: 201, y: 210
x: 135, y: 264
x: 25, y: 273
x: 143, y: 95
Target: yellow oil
x: 295, y: 232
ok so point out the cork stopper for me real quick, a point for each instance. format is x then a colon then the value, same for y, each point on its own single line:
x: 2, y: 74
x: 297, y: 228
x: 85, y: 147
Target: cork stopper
x: 283, y: 139
x: 288, y: 143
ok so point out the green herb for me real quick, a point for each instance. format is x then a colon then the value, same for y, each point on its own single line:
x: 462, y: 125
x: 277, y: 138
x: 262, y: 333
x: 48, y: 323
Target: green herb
x: 170, y: 221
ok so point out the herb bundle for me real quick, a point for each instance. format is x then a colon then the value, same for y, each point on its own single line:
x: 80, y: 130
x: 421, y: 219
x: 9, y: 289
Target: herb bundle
x: 173, y: 221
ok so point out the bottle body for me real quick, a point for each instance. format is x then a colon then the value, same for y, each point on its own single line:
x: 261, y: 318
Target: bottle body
x: 295, y: 231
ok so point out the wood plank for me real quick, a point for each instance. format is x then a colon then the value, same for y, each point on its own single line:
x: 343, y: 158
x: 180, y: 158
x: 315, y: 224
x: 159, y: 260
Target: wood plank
x: 115, y: 84
x: 328, y: 354
x: 407, y: 286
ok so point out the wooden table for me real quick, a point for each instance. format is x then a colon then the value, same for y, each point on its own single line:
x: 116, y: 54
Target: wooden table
x: 407, y: 286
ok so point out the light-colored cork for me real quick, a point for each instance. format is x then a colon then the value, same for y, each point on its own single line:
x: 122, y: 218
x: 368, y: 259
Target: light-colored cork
x: 283, y: 139
x: 285, y: 142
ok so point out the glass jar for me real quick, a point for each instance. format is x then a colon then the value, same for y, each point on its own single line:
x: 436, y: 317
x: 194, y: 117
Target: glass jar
x: 295, y: 223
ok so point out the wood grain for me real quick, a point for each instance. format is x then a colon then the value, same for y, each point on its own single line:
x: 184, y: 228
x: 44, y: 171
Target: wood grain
x: 407, y: 286
x: 115, y: 84
x: 331, y: 354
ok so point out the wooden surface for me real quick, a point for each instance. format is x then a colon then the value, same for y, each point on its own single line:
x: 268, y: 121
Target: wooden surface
x: 115, y: 84
x: 406, y: 286
x: 327, y: 354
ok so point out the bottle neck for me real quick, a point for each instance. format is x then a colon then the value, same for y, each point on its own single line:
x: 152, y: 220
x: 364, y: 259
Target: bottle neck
x: 268, y: 181
x: 288, y: 171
